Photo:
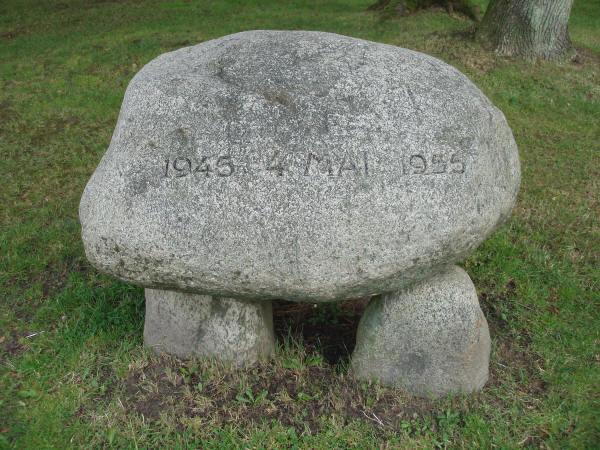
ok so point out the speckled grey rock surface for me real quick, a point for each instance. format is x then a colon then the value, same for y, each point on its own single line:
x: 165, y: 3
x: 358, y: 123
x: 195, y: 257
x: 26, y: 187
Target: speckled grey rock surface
x: 431, y: 338
x: 298, y: 165
x: 186, y: 325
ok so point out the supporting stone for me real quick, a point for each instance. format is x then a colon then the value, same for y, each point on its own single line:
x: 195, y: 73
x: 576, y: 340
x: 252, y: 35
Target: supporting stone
x: 431, y: 339
x: 186, y: 325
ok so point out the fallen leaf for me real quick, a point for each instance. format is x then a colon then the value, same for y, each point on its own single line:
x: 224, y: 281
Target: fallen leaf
x: 2, y: 338
x: 4, y: 430
x: 554, y: 309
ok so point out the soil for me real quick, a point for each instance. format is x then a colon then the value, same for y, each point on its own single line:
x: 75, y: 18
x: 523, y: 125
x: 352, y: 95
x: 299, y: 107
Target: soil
x: 306, y: 397
x: 10, y: 347
x: 53, y: 282
x: 322, y: 385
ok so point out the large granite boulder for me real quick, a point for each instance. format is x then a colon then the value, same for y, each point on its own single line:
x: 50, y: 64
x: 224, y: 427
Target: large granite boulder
x: 310, y: 167
x: 299, y: 165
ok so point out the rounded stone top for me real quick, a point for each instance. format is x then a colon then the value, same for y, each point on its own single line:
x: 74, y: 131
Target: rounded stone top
x: 300, y: 165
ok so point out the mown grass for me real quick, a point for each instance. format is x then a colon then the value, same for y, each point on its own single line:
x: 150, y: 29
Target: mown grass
x: 87, y: 381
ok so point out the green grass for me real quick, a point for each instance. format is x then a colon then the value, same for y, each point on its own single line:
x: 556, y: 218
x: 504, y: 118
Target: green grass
x: 87, y: 381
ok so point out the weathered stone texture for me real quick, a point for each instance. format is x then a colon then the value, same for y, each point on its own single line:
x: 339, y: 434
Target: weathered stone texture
x: 298, y: 165
x: 185, y: 325
x: 430, y: 339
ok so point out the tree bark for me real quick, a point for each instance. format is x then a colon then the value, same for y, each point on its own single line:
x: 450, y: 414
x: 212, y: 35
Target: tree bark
x: 528, y: 28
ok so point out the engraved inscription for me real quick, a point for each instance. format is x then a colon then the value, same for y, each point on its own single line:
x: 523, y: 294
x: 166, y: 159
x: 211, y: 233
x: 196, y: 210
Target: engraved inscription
x: 329, y: 166
x: 459, y: 166
x: 317, y: 162
x: 310, y: 164
x: 419, y: 164
x: 220, y: 166
x: 225, y: 166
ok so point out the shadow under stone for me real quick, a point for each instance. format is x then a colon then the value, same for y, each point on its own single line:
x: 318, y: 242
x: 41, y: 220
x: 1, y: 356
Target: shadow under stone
x: 325, y: 328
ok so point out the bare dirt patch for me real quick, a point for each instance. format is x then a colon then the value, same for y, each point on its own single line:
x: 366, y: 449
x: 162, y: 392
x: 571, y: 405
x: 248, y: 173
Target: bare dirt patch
x: 300, y: 398
x: 305, y: 387
x: 10, y: 347
x: 53, y: 282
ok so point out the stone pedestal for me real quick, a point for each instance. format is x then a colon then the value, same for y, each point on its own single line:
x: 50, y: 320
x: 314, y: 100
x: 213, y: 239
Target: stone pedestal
x: 431, y: 339
x: 186, y: 325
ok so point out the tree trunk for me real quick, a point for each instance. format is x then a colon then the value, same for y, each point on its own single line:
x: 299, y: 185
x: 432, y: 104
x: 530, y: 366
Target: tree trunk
x: 400, y: 7
x: 528, y: 28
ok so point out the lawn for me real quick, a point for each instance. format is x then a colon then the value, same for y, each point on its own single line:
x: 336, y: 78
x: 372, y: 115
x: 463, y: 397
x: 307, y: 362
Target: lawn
x: 73, y: 369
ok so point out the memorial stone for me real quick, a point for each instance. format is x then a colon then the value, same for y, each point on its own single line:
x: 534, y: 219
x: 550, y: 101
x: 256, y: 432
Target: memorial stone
x: 295, y: 165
